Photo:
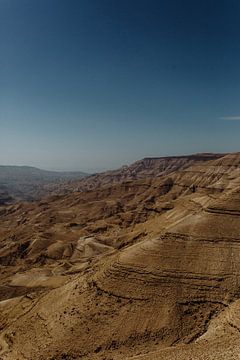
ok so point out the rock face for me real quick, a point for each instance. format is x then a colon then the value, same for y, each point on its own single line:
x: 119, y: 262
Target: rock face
x: 140, y: 268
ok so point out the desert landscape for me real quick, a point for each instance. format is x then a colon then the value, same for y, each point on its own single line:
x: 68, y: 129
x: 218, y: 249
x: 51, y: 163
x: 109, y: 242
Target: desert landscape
x: 119, y: 180
x: 137, y: 263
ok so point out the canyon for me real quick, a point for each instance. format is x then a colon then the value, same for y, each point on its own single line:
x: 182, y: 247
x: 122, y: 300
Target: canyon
x: 138, y: 263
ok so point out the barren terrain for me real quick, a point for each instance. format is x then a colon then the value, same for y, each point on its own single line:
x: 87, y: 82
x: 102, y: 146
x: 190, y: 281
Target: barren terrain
x: 141, y: 263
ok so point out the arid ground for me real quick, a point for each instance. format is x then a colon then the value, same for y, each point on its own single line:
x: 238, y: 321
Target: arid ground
x: 140, y: 263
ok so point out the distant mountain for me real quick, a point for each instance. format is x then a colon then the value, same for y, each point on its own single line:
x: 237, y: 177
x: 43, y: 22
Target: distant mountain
x: 29, y: 183
x: 147, y: 168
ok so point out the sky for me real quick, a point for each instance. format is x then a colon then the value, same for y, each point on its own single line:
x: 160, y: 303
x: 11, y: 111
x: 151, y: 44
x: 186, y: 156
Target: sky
x: 95, y: 84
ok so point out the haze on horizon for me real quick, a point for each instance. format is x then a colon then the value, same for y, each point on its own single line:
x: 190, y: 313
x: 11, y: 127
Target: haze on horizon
x: 92, y: 85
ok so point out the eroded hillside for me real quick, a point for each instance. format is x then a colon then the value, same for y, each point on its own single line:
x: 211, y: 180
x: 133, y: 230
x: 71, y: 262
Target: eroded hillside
x: 140, y: 263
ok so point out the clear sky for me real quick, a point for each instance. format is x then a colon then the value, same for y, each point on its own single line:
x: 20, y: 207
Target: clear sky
x: 95, y: 84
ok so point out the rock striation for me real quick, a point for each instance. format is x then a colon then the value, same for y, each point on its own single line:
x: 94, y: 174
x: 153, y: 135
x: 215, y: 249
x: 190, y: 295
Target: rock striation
x: 145, y: 268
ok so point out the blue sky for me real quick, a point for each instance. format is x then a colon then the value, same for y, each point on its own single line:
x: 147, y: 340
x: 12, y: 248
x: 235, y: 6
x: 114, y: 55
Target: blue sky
x: 95, y: 84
